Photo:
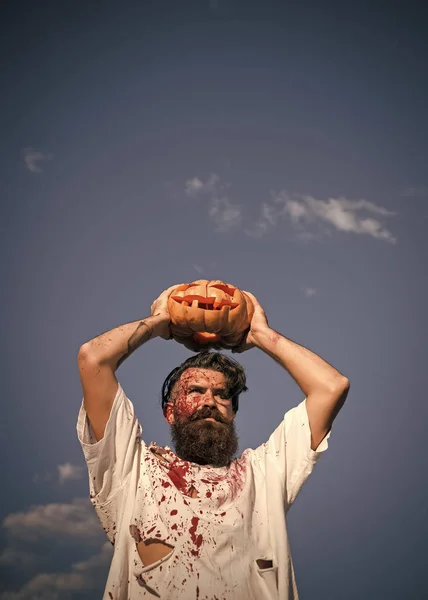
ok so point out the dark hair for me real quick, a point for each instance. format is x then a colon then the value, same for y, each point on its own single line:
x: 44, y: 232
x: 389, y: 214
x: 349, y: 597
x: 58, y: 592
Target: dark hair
x: 234, y: 374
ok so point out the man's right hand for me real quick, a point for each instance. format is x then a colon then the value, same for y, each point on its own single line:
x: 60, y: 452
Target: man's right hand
x: 160, y: 309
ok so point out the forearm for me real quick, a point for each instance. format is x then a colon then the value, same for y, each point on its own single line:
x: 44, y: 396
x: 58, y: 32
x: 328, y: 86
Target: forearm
x: 309, y: 371
x: 116, y: 345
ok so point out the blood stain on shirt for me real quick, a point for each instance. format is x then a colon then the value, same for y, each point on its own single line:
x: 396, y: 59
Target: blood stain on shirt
x: 196, y: 539
x: 178, y: 476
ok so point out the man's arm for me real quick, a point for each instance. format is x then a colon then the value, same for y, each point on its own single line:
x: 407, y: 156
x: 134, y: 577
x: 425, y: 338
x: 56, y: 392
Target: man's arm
x: 324, y: 386
x: 99, y: 359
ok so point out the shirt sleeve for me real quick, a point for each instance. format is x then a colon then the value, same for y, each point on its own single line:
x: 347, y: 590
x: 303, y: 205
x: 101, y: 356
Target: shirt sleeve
x: 110, y: 460
x: 288, y: 453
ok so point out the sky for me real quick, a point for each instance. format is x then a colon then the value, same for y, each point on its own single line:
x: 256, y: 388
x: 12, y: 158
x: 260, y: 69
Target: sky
x: 280, y: 147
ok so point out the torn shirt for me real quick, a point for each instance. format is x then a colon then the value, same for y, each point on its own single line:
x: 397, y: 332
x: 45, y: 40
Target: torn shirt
x: 226, y: 526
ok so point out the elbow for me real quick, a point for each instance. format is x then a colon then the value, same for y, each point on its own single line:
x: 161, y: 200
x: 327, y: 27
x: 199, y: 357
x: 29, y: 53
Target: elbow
x: 345, y: 384
x: 82, y: 352
x: 85, y: 354
x: 339, y: 386
x: 342, y: 391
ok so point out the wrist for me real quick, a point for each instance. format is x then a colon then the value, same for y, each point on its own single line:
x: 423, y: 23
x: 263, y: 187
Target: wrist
x: 263, y: 336
x: 158, y: 323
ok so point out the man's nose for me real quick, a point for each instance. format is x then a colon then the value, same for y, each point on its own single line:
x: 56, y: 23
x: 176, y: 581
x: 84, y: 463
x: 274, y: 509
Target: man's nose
x: 208, y: 399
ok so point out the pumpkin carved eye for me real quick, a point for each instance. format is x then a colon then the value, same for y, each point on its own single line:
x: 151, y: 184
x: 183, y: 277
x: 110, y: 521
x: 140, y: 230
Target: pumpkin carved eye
x: 227, y: 289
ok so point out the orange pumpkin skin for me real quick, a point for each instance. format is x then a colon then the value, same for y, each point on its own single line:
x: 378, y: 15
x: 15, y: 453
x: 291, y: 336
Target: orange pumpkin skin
x: 209, y: 313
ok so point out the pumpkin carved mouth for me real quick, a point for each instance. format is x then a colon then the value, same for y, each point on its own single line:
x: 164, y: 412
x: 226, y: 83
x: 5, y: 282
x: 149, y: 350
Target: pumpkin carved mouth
x: 204, y: 303
x: 211, y: 303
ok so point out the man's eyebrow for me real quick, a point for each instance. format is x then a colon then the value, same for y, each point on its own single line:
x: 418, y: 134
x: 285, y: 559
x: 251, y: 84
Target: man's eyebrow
x: 204, y: 387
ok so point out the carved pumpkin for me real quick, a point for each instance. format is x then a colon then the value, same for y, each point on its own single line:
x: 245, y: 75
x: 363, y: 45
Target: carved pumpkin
x: 209, y: 313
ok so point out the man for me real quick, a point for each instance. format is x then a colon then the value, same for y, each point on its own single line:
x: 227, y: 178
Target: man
x: 199, y: 523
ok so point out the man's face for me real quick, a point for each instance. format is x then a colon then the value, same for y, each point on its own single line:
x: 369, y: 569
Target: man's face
x: 202, y: 419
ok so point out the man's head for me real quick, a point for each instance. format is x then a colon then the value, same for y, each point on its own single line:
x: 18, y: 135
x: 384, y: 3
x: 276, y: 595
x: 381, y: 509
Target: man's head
x: 200, y: 399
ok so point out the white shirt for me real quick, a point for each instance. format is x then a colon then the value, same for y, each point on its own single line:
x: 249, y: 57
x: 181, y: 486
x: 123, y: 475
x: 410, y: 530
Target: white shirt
x: 237, y: 518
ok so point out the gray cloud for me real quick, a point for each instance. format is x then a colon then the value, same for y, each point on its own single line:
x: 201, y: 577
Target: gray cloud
x: 87, y: 575
x: 18, y: 558
x: 32, y: 539
x: 43, y: 477
x: 69, y: 472
x: 418, y: 192
x: 32, y: 157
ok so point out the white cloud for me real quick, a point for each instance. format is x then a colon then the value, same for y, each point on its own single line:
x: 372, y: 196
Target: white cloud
x: 32, y: 157
x: 195, y: 186
x: 296, y: 210
x: 309, y: 291
x: 76, y: 520
x: 339, y: 214
x: 65, y: 472
x: 304, y: 212
x: 225, y: 214
x: 69, y: 472
x: 198, y: 269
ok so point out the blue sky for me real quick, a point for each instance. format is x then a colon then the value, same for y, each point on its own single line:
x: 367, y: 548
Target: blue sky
x: 279, y: 148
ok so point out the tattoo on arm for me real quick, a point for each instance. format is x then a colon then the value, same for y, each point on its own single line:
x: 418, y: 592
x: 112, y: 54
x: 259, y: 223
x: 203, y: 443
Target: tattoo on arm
x: 141, y: 335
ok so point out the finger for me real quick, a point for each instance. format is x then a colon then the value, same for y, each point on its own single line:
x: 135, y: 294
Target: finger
x: 163, y: 297
x: 168, y: 291
x: 251, y: 296
x: 254, y: 300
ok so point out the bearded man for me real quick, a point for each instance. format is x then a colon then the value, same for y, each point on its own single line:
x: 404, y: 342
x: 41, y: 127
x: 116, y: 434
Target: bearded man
x: 200, y: 523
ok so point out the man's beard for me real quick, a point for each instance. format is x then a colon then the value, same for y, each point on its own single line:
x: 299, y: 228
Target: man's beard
x: 205, y: 442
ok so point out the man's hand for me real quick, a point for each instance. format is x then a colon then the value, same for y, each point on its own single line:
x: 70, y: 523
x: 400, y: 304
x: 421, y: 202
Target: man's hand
x: 258, y: 324
x: 159, y: 309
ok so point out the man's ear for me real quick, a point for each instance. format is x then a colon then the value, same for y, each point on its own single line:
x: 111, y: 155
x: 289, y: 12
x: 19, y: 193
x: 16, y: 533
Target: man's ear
x: 169, y: 414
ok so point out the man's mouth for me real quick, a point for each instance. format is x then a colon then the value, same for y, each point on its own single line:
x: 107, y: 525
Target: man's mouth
x: 209, y: 419
x: 205, y: 415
